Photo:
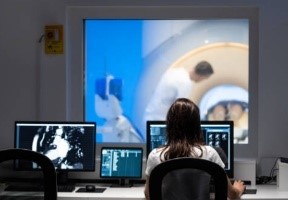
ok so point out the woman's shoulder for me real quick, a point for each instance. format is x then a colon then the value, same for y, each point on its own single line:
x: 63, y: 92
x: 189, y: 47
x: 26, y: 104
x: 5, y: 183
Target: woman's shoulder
x: 154, y: 159
x: 209, y: 150
x: 156, y: 152
x: 212, y: 155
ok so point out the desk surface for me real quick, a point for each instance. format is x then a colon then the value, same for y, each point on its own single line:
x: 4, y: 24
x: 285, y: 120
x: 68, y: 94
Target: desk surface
x: 264, y: 192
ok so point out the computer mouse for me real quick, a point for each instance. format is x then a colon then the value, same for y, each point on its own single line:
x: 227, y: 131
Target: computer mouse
x: 90, y: 188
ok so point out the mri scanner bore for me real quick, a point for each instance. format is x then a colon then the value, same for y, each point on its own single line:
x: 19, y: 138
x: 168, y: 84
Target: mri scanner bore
x: 232, y: 105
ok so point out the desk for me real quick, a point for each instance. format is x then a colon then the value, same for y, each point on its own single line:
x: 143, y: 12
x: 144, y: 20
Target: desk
x: 267, y: 192
x: 264, y: 192
x: 111, y: 193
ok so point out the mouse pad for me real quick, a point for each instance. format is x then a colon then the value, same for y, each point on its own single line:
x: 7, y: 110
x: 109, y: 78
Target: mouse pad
x: 97, y: 190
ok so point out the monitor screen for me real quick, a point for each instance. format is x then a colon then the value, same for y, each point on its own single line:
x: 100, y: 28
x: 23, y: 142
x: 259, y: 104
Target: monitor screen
x: 121, y: 162
x: 218, y: 134
x: 70, y: 145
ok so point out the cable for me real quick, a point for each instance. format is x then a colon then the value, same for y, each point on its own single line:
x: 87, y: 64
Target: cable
x: 41, y: 38
x: 273, y: 170
x: 271, y: 177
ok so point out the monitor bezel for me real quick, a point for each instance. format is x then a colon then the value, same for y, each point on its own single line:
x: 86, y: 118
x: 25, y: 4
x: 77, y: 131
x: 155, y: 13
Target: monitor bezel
x: 58, y: 170
x: 121, y: 177
x: 229, y: 172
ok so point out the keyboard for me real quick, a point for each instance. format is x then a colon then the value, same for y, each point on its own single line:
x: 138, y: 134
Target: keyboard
x: 38, y: 188
x: 246, y: 191
x: 246, y: 182
x: 66, y: 188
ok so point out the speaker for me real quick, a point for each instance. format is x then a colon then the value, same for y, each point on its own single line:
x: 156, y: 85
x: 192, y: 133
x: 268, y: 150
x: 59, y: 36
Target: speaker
x: 245, y: 169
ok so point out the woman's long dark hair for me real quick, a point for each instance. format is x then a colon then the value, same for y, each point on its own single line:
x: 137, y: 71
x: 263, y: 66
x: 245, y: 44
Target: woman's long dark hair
x: 183, y: 129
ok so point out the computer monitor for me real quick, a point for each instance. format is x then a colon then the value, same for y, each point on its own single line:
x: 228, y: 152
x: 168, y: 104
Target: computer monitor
x: 123, y: 163
x: 70, y: 145
x: 218, y: 134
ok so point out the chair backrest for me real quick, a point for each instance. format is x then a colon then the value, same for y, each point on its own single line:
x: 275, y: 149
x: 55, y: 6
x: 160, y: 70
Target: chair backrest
x: 48, y: 169
x: 181, y: 178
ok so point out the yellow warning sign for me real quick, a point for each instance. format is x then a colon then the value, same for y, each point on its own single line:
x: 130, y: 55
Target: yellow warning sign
x: 54, y: 43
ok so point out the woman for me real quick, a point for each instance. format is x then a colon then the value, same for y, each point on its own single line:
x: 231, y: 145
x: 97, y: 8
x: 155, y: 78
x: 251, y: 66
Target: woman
x: 184, y: 139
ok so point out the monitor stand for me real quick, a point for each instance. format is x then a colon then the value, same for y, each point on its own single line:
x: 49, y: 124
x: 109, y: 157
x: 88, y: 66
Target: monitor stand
x: 123, y: 183
x: 62, y: 178
x: 63, y: 183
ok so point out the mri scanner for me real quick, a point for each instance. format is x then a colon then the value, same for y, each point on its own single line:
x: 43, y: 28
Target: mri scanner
x: 226, y: 88
x: 224, y: 44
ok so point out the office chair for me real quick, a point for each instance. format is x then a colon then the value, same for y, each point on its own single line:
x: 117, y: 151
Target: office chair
x: 187, y: 178
x: 49, y: 173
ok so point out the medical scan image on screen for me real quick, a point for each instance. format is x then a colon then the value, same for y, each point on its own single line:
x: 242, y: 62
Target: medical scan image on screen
x: 135, y: 68
x: 121, y: 163
x: 70, y: 146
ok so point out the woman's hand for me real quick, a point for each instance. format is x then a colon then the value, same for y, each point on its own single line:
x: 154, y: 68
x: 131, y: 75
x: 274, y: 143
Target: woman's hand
x: 236, y: 190
x: 239, y: 186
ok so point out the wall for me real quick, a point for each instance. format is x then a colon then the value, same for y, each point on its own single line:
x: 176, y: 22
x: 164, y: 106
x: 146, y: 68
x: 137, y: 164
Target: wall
x: 34, y: 85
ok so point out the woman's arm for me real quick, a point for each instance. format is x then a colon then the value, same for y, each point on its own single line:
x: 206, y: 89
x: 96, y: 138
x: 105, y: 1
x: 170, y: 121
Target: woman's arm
x: 146, y: 189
